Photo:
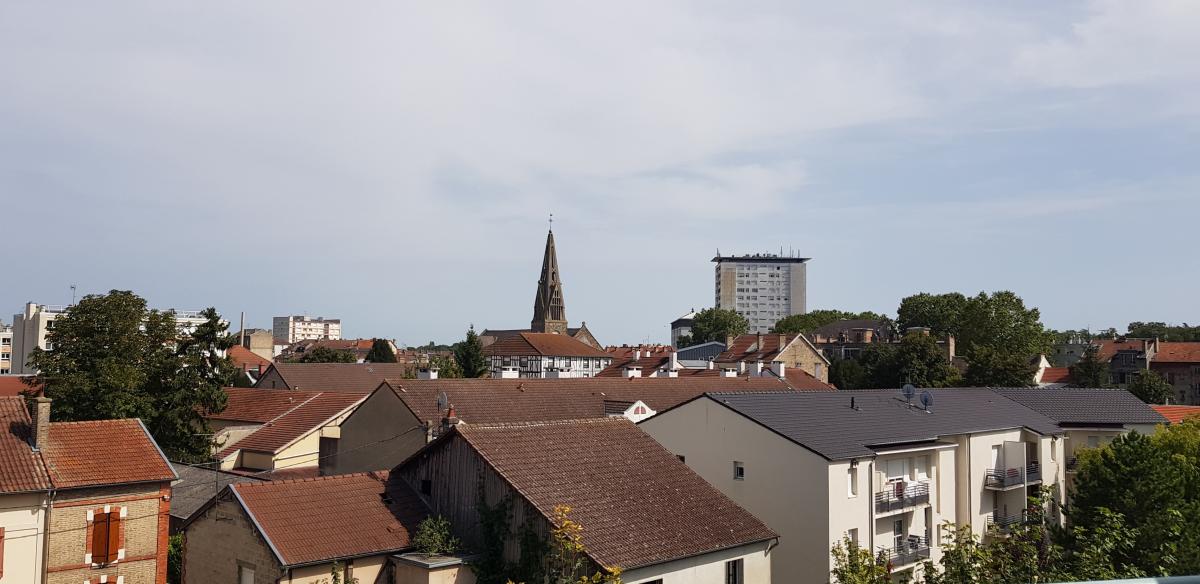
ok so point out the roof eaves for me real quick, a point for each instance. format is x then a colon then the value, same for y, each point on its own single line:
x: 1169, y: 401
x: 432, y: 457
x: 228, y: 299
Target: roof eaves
x: 318, y: 427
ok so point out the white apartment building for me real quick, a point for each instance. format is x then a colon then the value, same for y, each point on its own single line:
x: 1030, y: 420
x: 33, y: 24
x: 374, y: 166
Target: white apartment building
x: 761, y: 287
x: 292, y: 329
x: 6, y: 346
x: 29, y: 331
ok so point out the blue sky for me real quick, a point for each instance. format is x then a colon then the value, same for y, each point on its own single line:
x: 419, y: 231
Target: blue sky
x: 394, y: 165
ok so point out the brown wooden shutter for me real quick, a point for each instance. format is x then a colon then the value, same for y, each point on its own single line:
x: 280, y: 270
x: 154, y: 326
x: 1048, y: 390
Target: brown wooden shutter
x: 114, y: 536
x: 99, y: 538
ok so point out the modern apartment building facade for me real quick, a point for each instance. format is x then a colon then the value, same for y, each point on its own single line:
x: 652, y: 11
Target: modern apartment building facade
x: 761, y: 287
x: 6, y: 346
x: 299, y: 328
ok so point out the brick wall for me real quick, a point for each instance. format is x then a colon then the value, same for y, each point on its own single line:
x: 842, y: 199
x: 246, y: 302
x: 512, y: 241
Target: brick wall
x: 142, y: 534
x: 221, y: 539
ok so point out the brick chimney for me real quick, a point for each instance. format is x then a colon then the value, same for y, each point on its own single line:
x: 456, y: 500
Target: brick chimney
x: 41, y: 424
x: 451, y: 418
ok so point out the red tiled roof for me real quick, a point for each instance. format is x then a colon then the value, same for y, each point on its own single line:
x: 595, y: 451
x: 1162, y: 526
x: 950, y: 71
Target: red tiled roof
x: 21, y: 469
x: 259, y: 405
x: 1178, y: 352
x: 801, y: 380
x: 245, y: 359
x: 637, y: 503
x: 281, y: 474
x: 11, y: 385
x: 1177, y: 414
x: 478, y: 401
x: 103, y: 452
x: 328, y: 518
x: 1107, y: 349
x: 1056, y: 375
x: 355, y: 377
x: 653, y: 358
x: 544, y: 344
x: 307, y: 416
x: 751, y: 348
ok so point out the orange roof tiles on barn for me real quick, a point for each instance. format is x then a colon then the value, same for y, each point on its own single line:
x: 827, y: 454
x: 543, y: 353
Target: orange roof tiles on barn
x: 319, y: 520
x: 104, y: 452
x: 544, y: 344
x: 1178, y: 352
x: 638, y: 504
x: 21, y: 468
x: 1177, y: 414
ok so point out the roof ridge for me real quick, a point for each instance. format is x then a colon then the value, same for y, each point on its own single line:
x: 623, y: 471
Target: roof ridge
x: 313, y: 479
x: 536, y: 423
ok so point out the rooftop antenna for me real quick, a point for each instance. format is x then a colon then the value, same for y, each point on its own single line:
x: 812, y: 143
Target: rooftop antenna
x: 72, y: 295
x: 926, y: 400
x: 908, y: 391
x: 552, y: 221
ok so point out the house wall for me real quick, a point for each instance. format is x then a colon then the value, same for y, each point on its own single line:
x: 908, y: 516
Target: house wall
x: 708, y: 568
x: 143, y: 534
x: 406, y: 573
x: 221, y: 539
x: 272, y: 380
x: 366, y: 570
x: 1184, y: 377
x: 368, y: 436
x: 23, y: 517
x: 800, y: 355
x: 786, y: 486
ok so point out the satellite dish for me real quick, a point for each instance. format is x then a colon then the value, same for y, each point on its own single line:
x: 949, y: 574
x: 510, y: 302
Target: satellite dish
x: 926, y: 399
x: 908, y: 391
x: 442, y: 400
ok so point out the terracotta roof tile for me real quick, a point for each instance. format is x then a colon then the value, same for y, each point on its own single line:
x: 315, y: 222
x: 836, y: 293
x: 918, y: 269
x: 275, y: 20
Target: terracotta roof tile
x: 21, y: 469
x: 244, y: 359
x: 103, y: 452
x: 751, y: 348
x: 259, y: 405
x: 1177, y: 414
x: 638, y: 504
x: 1056, y: 375
x: 328, y: 518
x: 11, y: 385
x: 358, y: 377
x: 479, y: 401
x: 1178, y: 352
x: 544, y: 344
x: 1107, y: 349
x: 305, y: 417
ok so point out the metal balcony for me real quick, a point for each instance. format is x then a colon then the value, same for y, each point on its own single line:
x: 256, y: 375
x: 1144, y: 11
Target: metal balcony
x: 1033, y: 472
x: 1004, y: 523
x: 901, y: 495
x: 908, y: 550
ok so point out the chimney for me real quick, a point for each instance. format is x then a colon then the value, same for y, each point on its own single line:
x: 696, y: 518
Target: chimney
x: 451, y: 418
x: 41, y: 425
x: 741, y: 367
x: 728, y: 372
x: 711, y: 365
x: 782, y: 341
x: 427, y: 373
x: 950, y: 347
x: 674, y: 362
x: 666, y: 372
x: 637, y: 355
x: 729, y: 341
x: 758, y: 346
x: 778, y: 367
x: 633, y: 371
x: 758, y: 368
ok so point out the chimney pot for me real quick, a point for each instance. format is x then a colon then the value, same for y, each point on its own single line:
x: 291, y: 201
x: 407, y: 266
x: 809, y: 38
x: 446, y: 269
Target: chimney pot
x: 41, y: 428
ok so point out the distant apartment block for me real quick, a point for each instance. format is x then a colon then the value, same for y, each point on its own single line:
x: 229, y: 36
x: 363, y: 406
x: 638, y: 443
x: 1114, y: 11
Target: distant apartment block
x: 29, y: 330
x: 301, y: 328
x: 6, y: 342
x: 761, y: 287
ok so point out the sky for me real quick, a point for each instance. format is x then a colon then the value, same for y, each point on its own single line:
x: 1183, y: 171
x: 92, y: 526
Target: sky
x: 394, y: 163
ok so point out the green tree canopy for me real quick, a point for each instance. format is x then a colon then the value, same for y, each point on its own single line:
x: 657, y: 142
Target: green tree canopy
x: 916, y: 359
x: 809, y: 321
x: 326, y: 355
x: 992, y: 368
x: 940, y: 312
x: 715, y: 324
x: 468, y: 354
x: 1090, y: 371
x: 115, y: 358
x: 381, y: 352
x: 848, y: 374
x: 1151, y: 388
x: 999, y: 321
x: 1164, y: 331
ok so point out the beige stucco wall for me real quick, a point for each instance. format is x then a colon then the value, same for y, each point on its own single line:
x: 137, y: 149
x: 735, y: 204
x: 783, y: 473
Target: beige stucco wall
x: 786, y: 486
x: 406, y: 573
x: 366, y: 570
x: 708, y: 568
x: 23, y: 518
x: 976, y: 502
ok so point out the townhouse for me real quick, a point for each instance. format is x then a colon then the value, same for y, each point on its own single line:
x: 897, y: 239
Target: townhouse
x: 663, y: 361
x: 402, y: 415
x: 776, y: 352
x: 640, y: 508
x: 534, y: 355
x: 876, y: 466
x: 75, y: 508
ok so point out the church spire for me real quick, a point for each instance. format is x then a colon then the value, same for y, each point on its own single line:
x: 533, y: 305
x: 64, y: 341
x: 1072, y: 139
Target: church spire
x: 549, y: 310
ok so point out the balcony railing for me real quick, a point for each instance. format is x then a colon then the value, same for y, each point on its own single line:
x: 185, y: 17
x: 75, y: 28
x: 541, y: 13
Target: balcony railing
x: 1033, y: 472
x: 908, y: 550
x: 1005, y: 523
x: 1004, y: 478
x: 1072, y: 464
x: 899, y: 495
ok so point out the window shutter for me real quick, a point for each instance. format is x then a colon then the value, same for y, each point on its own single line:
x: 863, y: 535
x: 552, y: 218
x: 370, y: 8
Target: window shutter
x: 100, y: 538
x: 114, y: 536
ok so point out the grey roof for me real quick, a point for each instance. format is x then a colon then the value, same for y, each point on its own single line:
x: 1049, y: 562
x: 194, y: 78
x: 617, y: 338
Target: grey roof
x: 196, y: 486
x: 825, y: 423
x: 1080, y: 406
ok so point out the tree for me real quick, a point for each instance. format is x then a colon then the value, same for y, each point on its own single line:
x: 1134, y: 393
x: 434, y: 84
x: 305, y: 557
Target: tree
x: 446, y: 365
x: 434, y: 537
x: 326, y: 355
x: 1090, y: 371
x: 1001, y: 322
x: 1164, y: 331
x: 916, y: 359
x: 809, y: 321
x: 567, y: 560
x: 940, y: 312
x: 1095, y: 549
x: 1151, y: 388
x: 847, y: 374
x: 992, y: 368
x: 114, y: 358
x: 381, y: 352
x: 715, y: 324
x: 854, y: 565
x: 468, y: 354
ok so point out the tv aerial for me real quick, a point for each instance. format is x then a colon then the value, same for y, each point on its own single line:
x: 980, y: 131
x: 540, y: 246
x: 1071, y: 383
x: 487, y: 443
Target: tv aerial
x: 926, y: 399
x: 442, y: 400
x: 908, y: 391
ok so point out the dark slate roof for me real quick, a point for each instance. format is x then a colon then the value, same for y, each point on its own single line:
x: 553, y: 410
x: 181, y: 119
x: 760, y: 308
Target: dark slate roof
x: 1079, y: 406
x: 197, y: 485
x: 825, y: 423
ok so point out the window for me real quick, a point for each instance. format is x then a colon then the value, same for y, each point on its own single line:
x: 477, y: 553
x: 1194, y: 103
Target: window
x: 245, y: 574
x: 817, y: 369
x: 733, y: 571
x: 852, y: 535
x: 105, y: 537
x: 739, y: 471
x: 852, y: 482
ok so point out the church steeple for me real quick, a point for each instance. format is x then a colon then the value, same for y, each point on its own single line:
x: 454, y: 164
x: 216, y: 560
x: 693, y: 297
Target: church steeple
x: 549, y: 310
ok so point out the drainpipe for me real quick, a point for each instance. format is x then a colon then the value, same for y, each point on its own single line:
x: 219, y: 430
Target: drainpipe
x: 871, y: 506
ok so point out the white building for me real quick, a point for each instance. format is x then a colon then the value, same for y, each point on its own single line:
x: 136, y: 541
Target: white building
x: 544, y: 355
x: 761, y: 287
x: 299, y: 328
x: 29, y: 330
x: 6, y: 346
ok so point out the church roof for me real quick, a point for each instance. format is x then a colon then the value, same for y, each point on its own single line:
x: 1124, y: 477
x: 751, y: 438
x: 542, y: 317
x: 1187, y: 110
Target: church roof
x: 548, y: 305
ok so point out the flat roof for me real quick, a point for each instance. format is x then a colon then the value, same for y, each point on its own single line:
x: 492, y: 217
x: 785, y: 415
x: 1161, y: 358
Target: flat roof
x: 760, y: 259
